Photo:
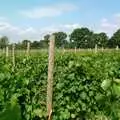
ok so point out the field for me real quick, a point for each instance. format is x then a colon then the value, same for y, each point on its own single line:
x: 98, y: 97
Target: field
x: 86, y: 85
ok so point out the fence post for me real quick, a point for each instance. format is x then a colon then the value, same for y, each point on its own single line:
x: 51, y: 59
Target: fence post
x: 63, y: 50
x: 13, y: 55
x: 28, y: 48
x: 7, y: 49
x: 117, y: 48
x: 95, y: 48
x: 102, y: 49
x: 75, y: 49
x: 50, y: 76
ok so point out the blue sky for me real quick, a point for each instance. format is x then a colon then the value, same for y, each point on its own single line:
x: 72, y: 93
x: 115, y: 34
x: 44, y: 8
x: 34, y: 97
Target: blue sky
x: 32, y: 19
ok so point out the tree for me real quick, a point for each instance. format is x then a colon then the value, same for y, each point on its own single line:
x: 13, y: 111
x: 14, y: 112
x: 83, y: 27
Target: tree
x: 46, y: 37
x: 115, y: 39
x: 35, y: 44
x: 24, y: 44
x: 43, y: 44
x: 80, y: 37
x: 4, y: 42
x: 101, y: 39
x: 60, y: 39
x: 45, y: 41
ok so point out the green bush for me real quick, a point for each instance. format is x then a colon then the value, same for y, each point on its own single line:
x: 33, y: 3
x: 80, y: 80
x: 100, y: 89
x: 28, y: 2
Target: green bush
x: 85, y: 86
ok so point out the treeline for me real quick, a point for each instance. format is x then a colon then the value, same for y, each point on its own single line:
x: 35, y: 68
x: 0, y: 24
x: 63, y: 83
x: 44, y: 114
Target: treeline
x: 79, y: 38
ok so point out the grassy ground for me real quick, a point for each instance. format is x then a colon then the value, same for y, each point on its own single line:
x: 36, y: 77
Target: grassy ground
x: 77, y: 51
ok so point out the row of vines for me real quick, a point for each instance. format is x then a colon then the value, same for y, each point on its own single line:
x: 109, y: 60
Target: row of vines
x: 86, y: 87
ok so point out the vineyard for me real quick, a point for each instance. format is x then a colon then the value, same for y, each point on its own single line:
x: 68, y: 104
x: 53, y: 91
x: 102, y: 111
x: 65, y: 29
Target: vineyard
x: 86, y: 86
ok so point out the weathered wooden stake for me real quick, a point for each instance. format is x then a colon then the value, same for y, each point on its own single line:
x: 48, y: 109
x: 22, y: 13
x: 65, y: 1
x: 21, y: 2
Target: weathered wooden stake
x: 63, y: 50
x: 7, y: 54
x: 28, y: 48
x: 50, y: 76
x: 102, y: 49
x: 117, y: 48
x: 13, y: 54
x: 75, y: 49
x: 96, y: 48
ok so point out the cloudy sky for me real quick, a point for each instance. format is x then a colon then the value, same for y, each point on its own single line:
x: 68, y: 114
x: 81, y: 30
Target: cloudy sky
x: 32, y: 19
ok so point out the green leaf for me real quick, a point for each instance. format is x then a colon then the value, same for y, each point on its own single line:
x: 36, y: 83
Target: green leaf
x: 83, y: 95
x: 65, y: 114
x: 73, y: 115
x: 71, y: 63
x: 117, y: 81
x: 106, y: 84
x: 39, y: 112
x: 12, y: 112
x: 116, y: 89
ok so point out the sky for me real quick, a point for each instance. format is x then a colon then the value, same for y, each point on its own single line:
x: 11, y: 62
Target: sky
x: 32, y: 19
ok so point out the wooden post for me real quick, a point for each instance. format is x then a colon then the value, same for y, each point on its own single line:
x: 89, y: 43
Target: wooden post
x: 117, y: 48
x: 63, y: 50
x: 96, y: 48
x: 28, y: 48
x: 7, y: 49
x: 13, y: 55
x: 75, y: 50
x: 6, y: 52
x: 102, y: 49
x: 50, y: 76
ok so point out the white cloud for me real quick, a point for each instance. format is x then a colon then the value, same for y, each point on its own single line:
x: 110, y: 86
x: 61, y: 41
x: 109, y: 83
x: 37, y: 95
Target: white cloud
x: 48, y: 11
x: 117, y: 18
x: 117, y: 15
x: 4, y: 25
x: 104, y: 20
x: 49, y: 29
x: 7, y: 26
x: 16, y: 34
x: 109, y: 26
x: 27, y: 30
x: 62, y: 27
x: 71, y: 26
